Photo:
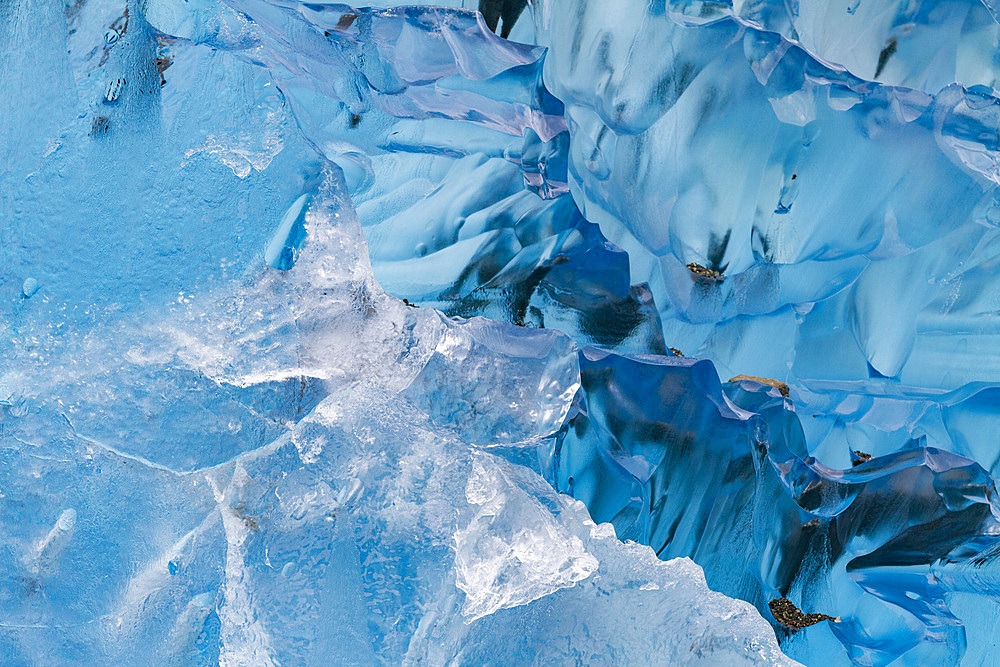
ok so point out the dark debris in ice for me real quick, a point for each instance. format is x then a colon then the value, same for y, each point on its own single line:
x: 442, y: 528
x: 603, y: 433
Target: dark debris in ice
x: 790, y: 616
x: 704, y: 272
x: 780, y: 386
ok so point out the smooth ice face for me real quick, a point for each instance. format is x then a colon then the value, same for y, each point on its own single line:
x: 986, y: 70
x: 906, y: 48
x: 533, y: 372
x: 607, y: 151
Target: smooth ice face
x: 880, y: 545
x: 820, y: 201
x: 222, y: 441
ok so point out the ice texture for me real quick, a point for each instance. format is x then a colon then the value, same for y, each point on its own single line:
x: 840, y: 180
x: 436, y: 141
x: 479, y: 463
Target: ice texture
x: 880, y: 544
x: 229, y: 440
x: 799, y: 192
x: 222, y: 442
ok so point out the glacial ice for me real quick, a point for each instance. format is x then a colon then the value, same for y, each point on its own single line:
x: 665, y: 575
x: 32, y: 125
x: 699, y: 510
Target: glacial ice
x: 226, y: 440
x: 775, y: 522
x: 222, y: 442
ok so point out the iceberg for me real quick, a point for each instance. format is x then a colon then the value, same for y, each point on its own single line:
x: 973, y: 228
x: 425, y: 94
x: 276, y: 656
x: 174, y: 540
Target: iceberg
x: 397, y: 334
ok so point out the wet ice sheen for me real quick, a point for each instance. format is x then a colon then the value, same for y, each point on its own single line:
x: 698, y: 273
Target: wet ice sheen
x: 223, y: 443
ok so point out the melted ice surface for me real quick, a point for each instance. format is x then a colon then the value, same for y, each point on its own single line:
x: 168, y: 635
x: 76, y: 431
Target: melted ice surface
x: 222, y: 442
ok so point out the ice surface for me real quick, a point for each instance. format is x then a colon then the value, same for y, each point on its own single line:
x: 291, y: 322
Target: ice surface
x: 847, y: 246
x: 881, y: 544
x: 222, y: 442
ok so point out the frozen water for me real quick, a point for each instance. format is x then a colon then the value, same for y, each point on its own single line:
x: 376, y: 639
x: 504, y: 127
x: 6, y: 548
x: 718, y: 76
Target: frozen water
x: 844, y: 246
x: 222, y: 442
x: 880, y: 543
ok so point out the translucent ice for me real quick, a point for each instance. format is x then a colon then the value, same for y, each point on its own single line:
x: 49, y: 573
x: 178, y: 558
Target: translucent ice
x: 222, y: 442
x: 845, y: 246
x: 881, y: 544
